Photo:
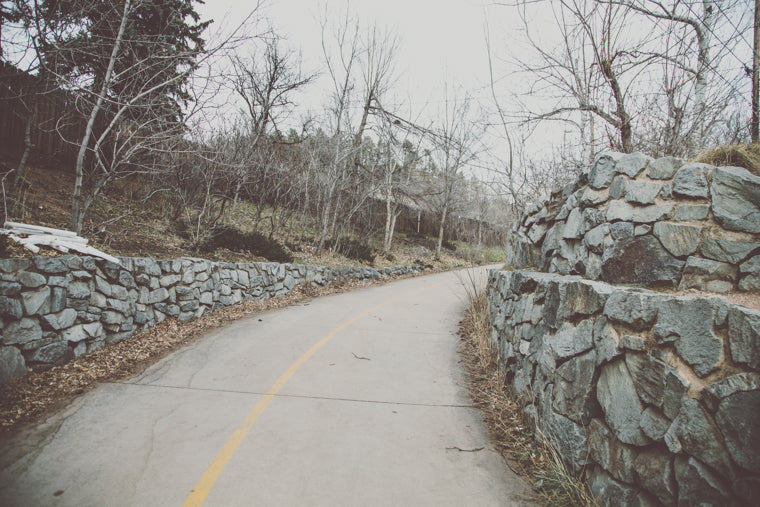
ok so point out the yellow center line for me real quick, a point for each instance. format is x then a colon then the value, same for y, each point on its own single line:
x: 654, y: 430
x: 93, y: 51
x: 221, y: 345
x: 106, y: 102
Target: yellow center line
x: 203, y: 487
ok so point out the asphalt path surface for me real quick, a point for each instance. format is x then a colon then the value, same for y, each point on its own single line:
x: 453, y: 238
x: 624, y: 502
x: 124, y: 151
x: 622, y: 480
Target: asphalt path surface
x: 352, y: 399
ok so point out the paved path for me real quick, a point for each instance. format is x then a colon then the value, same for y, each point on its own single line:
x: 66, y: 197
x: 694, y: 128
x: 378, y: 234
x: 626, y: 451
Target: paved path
x: 354, y: 399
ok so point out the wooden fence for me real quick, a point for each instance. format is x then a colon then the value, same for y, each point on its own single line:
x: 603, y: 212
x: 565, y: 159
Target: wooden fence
x: 55, y: 127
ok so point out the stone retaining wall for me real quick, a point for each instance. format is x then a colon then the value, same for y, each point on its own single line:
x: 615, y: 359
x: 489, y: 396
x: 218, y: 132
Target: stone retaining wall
x: 655, y: 397
x: 53, y: 309
x: 634, y: 219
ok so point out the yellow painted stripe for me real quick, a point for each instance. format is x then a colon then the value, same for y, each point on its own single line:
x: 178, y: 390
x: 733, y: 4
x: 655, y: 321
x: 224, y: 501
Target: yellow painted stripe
x: 203, y: 487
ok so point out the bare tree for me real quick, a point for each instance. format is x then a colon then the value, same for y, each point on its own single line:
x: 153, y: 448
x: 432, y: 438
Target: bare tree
x: 128, y: 63
x: 455, y: 145
x: 265, y: 84
x: 361, y: 70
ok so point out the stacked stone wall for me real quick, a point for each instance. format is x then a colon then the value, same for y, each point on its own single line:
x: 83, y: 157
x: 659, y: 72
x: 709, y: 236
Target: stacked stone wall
x: 53, y: 309
x: 636, y: 220
x: 654, y: 397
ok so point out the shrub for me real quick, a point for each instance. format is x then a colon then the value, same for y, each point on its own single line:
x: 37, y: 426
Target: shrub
x: 448, y: 245
x: 740, y: 155
x: 254, y: 242
x: 357, y: 250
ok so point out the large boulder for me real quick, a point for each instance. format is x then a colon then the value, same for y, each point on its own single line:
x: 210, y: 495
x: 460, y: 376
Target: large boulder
x: 623, y: 211
x: 700, y: 437
x: 708, y: 275
x: 632, y: 164
x: 614, y: 456
x: 750, y: 273
x: 697, y: 485
x: 12, y: 364
x: 664, y: 168
x: 642, y: 192
x: 744, y: 336
x: 574, y: 388
x: 691, y: 180
x: 622, y: 409
x: 736, y: 199
x: 640, y: 260
x: 688, y: 323
x: 737, y: 418
x: 603, y: 170
x: 680, y: 240
x: 733, y: 252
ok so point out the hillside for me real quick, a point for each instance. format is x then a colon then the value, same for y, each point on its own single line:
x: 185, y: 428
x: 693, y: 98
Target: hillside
x: 121, y: 222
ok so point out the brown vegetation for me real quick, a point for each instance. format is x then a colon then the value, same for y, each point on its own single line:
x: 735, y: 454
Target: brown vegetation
x: 554, y: 485
x: 738, y: 155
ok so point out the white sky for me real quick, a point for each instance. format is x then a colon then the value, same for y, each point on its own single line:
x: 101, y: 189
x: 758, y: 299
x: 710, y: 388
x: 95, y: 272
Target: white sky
x: 439, y: 40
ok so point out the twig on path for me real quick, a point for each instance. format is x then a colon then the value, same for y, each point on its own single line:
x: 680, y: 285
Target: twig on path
x: 361, y: 357
x: 464, y: 450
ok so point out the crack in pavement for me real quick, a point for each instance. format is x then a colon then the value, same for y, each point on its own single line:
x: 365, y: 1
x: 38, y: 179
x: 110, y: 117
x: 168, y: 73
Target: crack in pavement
x: 301, y: 396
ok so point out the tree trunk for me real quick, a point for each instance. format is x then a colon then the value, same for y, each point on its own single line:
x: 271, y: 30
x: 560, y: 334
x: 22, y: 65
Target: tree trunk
x: 756, y: 76
x: 19, y: 173
x: 78, y: 206
x: 440, y: 233
x: 388, y: 230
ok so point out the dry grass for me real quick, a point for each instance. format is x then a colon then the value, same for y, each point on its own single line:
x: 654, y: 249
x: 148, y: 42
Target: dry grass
x: 532, y: 457
x: 739, y: 155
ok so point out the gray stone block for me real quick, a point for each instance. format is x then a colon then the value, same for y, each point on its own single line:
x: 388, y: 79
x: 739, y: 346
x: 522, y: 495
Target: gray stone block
x: 569, y: 439
x: 641, y: 260
x: 30, y: 279
x: 653, y: 469
x: 664, y: 168
x: 692, y: 180
x: 700, y: 437
x: 688, y: 323
x: 736, y: 199
x: 605, y: 449
x: 603, y: 170
x: 52, y: 353
x: 744, y: 336
x: 654, y: 424
x: 678, y: 239
x: 733, y: 252
x: 78, y: 290
x: 574, y: 390
x: 11, y: 307
x: 616, y: 393
x: 51, y: 265
x: 642, y: 192
x: 708, y: 275
x: 8, y: 288
x: 713, y: 394
x: 60, y: 320
x: 686, y: 212
x: 623, y: 211
x: 750, y: 272
x: 608, y: 491
x: 22, y: 331
x: 14, y: 265
x: 36, y: 302
x: 12, y: 364
x: 738, y: 421
x: 632, y: 164
x: 698, y: 485
x: 637, y: 309
x: 621, y: 230
x: 592, y: 197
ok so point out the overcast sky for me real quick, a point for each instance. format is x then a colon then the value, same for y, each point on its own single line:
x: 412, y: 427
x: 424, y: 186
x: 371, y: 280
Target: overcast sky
x: 439, y: 39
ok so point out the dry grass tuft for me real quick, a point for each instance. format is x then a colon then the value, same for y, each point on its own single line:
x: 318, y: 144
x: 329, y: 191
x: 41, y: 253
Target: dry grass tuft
x: 739, y: 155
x: 553, y: 483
